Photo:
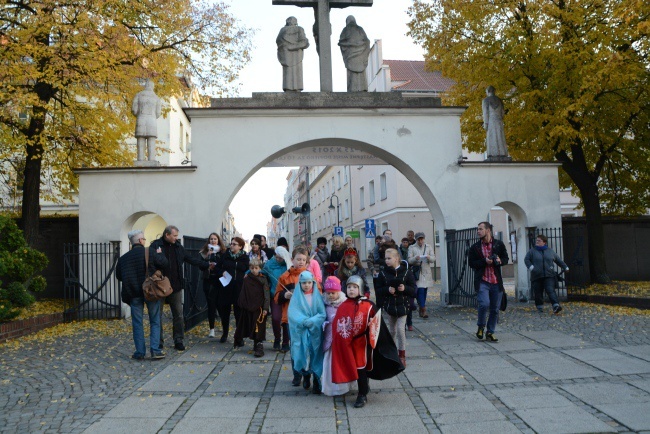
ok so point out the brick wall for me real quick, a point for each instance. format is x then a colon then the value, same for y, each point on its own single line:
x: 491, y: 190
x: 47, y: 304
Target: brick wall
x: 16, y: 329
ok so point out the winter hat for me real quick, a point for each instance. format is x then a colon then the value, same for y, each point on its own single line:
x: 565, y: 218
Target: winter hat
x: 332, y: 284
x: 321, y: 240
x: 419, y: 235
x: 356, y: 280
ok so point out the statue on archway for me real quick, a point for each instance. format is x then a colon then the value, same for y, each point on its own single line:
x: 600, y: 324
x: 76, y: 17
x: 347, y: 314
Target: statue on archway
x: 355, y: 47
x: 291, y: 42
x: 495, y: 139
x: 146, y: 108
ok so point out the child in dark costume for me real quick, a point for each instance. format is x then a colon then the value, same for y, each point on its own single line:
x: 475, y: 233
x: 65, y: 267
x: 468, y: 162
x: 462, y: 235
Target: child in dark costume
x: 306, y: 315
x: 254, y: 303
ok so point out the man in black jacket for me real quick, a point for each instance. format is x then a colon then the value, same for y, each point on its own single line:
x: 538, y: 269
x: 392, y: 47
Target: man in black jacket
x: 486, y: 258
x: 170, y: 263
x: 131, y: 271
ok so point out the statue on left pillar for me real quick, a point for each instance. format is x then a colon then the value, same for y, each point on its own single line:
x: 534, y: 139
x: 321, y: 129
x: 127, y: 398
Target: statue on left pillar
x: 146, y: 108
x: 291, y: 42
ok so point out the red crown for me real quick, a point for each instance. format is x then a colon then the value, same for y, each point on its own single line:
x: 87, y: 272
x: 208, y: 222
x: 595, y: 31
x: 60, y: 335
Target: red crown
x: 350, y: 252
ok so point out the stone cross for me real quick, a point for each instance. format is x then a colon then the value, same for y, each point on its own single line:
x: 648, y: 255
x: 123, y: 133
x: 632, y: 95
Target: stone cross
x: 322, y: 9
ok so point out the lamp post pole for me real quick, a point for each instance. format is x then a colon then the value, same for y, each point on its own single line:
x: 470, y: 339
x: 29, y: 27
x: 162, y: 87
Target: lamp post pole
x: 338, y: 203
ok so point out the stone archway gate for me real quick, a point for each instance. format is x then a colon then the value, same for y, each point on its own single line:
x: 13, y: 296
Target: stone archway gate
x: 235, y: 137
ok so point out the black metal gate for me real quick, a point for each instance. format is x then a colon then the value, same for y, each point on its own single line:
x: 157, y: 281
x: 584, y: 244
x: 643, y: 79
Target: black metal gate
x: 460, y: 277
x: 570, y: 246
x: 195, y: 307
x: 91, y: 290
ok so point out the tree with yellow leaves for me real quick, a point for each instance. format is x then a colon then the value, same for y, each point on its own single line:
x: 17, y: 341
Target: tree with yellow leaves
x: 573, y: 76
x: 69, y: 71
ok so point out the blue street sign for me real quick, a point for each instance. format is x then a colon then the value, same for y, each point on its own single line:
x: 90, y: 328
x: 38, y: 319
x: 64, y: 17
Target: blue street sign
x: 338, y: 230
x: 371, y: 231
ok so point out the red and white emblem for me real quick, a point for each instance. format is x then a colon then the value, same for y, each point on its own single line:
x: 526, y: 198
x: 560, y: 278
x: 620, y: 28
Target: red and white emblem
x: 373, y: 328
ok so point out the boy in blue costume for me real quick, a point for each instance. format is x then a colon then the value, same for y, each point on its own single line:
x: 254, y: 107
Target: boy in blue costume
x: 306, y: 315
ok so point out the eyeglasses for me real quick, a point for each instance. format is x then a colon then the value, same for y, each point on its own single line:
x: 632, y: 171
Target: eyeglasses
x: 234, y: 244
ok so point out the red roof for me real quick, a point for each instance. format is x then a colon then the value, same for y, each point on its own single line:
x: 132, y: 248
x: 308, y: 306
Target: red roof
x: 410, y: 75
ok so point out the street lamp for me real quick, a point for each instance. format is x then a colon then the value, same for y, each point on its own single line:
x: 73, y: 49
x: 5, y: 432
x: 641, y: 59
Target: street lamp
x: 337, y: 207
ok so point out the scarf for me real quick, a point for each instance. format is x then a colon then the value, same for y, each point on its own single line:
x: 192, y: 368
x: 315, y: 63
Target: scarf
x: 541, y: 248
x: 235, y: 255
x: 347, y: 272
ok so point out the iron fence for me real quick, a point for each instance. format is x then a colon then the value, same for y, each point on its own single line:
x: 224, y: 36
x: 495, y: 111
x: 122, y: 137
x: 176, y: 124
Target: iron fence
x: 570, y: 246
x: 460, y: 277
x: 91, y: 290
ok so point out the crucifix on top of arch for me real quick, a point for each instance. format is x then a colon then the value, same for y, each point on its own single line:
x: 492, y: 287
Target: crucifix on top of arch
x: 323, y: 31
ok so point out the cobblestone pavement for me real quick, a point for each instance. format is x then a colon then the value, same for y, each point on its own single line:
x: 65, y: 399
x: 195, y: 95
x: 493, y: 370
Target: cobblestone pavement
x: 586, y: 370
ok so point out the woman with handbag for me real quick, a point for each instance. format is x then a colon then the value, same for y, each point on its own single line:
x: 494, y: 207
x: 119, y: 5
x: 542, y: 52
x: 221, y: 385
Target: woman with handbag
x: 421, y: 257
x: 212, y: 251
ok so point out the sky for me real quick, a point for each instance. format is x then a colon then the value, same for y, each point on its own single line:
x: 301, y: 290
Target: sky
x: 385, y: 20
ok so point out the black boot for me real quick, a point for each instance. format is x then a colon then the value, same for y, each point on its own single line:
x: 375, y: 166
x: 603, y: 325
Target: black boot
x: 361, y: 401
x: 316, y: 390
x: 296, y: 379
x: 225, y: 327
x: 306, y: 381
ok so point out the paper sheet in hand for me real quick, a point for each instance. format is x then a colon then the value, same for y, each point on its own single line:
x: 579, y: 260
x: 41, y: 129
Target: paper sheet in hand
x: 225, y: 279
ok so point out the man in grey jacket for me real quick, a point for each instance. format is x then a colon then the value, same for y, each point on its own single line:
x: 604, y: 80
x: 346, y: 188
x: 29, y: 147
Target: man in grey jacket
x: 539, y: 261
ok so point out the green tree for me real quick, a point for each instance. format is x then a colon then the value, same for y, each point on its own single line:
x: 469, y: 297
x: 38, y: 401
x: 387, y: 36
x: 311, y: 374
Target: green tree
x: 20, y: 266
x: 573, y: 75
x: 69, y: 71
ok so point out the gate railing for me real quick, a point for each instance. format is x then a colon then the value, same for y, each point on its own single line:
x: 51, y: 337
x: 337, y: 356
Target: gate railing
x: 91, y: 290
x: 460, y: 277
x: 571, y: 248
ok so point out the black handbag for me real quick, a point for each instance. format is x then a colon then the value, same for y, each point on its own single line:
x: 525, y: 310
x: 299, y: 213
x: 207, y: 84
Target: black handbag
x: 417, y: 269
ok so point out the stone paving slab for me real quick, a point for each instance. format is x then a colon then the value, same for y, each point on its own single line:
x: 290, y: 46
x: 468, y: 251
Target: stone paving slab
x: 607, y: 393
x: 245, y: 353
x: 208, y: 425
x: 387, y: 424
x: 433, y: 379
x: 492, y: 370
x: 531, y: 397
x: 633, y: 415
x: 204, y: 352
x: 571, y: 419
x: 312, y: 406
x: 125, y: 426
x: 483, y: 427
x: 381, y: 404
x: 610, y: 361
x: 241, y: 377
x: 456, y: 402
x: 642, y: 384
x: 223, y: 408
x: 299, y: 425
x: 553, y: 366
x: 640, y: 351
x: 554, y: 339
x: 146, y: 407
x: 180, y: 377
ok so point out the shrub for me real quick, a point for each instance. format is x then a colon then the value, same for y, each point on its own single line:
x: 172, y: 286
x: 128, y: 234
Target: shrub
x: 20, y: 266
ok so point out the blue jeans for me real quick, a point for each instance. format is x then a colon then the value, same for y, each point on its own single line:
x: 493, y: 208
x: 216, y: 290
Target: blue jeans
x: 137, y: 312
x: 544, y: 284
x: 422, y: 297
x: 489, y: 298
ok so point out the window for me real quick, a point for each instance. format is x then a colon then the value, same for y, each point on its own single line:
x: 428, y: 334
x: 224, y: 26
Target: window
x: 346, y: 209
x: 362, y: 199
x: 327, y: 189
x: 338, y: 178
x: 346, y: 174
x: 181, y: 136
x: 382, y: 186
x: 329, y: 219
x: 384, y: 226
x: 371, y: 193
x: 333, y: 185
x: 437, y: 238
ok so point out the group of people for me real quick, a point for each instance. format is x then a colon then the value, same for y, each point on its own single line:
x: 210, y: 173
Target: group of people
x: 319, y: 302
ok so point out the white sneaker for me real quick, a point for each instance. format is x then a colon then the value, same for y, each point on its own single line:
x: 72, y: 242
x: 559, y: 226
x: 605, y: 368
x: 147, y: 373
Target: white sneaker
x: 211, y: 334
